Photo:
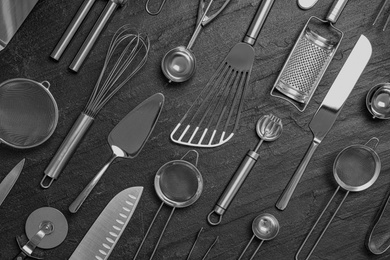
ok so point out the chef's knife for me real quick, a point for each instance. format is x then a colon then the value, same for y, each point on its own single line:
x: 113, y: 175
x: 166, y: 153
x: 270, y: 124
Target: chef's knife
x: 330, y: 108
x: 105, y: 232
x: 9, y: 180
x: 127, y: 139
x: 13, y: 13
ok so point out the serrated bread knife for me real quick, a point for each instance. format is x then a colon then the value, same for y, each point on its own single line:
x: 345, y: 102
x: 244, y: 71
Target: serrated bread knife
x: 105, y: 232
x: 330, y: 108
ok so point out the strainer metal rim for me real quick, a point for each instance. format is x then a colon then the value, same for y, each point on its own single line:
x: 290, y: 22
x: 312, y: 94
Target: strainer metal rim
x: 374, y: 176
x: 55, y: 121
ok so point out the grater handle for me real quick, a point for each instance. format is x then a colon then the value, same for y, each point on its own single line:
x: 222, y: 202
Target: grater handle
x: 335, y: 10
x: 258, y: 21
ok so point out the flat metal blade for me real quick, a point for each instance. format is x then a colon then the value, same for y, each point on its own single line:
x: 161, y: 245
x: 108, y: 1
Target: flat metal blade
x: 9, y: 180
x: 338, y: 93
x: 105, y: 232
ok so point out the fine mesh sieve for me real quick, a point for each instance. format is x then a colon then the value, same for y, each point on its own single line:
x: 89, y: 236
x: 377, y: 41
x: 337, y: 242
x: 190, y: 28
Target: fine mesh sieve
x: 28, y: 113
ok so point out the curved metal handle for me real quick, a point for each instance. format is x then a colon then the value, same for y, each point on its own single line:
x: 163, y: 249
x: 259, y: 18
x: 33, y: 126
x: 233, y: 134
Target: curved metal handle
x: 335, y: 10
x: 207, y: 19
x: 158, y: 10
x: 258, y: 21
x: 76, y: 204
x: 283, y: 200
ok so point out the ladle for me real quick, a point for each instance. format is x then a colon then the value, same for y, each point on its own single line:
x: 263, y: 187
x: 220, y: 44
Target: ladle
x: 264, y: 227
x: 378, y: 101
x: 178, y: 184
x: 179, y: 64
x: 268, y: 128
x: 355, y: 169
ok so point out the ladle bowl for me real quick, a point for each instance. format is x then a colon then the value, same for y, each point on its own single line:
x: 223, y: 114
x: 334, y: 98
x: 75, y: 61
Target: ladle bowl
x: 179, y: 64
x: 378, y: 101
x: 265, y: 226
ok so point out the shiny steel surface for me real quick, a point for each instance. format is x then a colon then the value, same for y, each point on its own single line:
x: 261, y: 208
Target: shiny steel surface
x: 378, y: 101
x: 9, y: 180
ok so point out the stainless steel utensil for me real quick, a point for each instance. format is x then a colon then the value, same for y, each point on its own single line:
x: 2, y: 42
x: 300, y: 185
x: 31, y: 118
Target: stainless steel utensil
x: 355, y: 169
x: 378, y: 101
x: 179, y: 64
x: 309, y: 58
x: 107, y: 229
x: 178, y: 184
x: 218, y: 107
x: 127, y: 139
x: 116, y: 72
x: 379, y: 14
x: 28, y: 113
x: 264, y: 227
x: 306, y: 4
x: 268, y: 128
x: 208, y: 250
x: 13, y: 14
x: 330, y: 108
x: 8, y: 182
x: 147, y: 8
x: 46, y: 228
x: 89, y: 42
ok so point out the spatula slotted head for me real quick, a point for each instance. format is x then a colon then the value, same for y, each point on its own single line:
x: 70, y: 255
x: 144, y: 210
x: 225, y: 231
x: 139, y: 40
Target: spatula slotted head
x: 213, y: 118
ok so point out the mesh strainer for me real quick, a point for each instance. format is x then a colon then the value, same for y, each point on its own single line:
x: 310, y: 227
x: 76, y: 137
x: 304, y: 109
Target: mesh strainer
x: 28, y: 113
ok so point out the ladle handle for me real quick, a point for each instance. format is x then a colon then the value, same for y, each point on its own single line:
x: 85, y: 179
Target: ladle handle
x: 258, y: 21
x: 283, y: 200
x: 234, y: 185
x: 76, y: 204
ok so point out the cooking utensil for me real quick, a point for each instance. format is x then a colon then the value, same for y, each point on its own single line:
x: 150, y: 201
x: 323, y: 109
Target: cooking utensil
x: 218, y: 107
x: 46, y: 228
x: 355, y: 169
x: 330, y: 108
x: 135, y: 49
x: 179, y: 64
x: 208, y: 250
x: 264, y: 227
x: 309, y: 58
x: 158, y: 10
x: 379, y: 14
x: 13, y: 14
x: 127, y: 139
x: 107, y: 229
x: 178, y: 184
x: 89, y: 42
x: 28, y: 113
x: 378, y: 101
x: 306, y: 4
x: 268, y: 128
x: 378, y: 241
x: 9, y: 180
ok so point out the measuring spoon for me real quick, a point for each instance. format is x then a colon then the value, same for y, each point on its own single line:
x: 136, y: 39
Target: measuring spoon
x: 179, y: 64
x: 378, y: 101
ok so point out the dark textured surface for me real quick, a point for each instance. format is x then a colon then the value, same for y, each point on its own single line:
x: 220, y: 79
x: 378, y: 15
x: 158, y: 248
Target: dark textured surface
x: 27, y: 56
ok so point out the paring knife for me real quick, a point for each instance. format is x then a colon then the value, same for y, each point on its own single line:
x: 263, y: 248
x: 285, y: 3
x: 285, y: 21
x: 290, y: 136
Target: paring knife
x: 105, y: 232
x: 9, y: 180
x: 330, y: 108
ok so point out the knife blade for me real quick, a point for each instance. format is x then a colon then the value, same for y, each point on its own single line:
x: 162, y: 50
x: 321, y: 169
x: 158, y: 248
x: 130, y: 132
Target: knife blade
x: 330, y: 108
x: 107, y: 229
x: 9, y: 180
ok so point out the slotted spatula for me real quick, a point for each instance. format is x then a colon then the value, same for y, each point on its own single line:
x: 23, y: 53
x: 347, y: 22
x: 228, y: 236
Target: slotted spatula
x: 219, y: 105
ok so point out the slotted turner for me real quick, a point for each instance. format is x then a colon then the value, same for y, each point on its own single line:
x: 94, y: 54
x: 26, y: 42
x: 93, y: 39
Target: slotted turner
x: 213, y: 118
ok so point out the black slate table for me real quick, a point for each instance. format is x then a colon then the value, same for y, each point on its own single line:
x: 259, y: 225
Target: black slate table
x: 27, y: 56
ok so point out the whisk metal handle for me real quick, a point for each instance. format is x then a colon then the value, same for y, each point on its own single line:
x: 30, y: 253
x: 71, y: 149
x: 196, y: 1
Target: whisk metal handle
x: 258, y: 21
x: 67, y: 148
x: 234, y: 184
x: 335, y: 10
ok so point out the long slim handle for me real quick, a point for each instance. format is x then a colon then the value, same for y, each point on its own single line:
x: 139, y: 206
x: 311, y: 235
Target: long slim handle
x: 21, y: 256
x: 234, y: 185
x: 289, y: 190
x: 76, y: 204
x: 72, y: 28
x: 335, y: 10
x: 258, y: 21
x: 67, y: 149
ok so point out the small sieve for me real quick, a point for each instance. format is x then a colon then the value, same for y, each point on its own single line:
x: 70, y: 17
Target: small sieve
x: 355, y: 169
x: 28, y: 113
x: 178, y: 184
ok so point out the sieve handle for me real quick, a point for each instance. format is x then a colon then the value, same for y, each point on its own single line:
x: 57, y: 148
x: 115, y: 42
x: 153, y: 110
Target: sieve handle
x: 67, y: 148
x: 335, y: 10
x: 283, y: 200
x: 258, y: 21
x: 234, y: 185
